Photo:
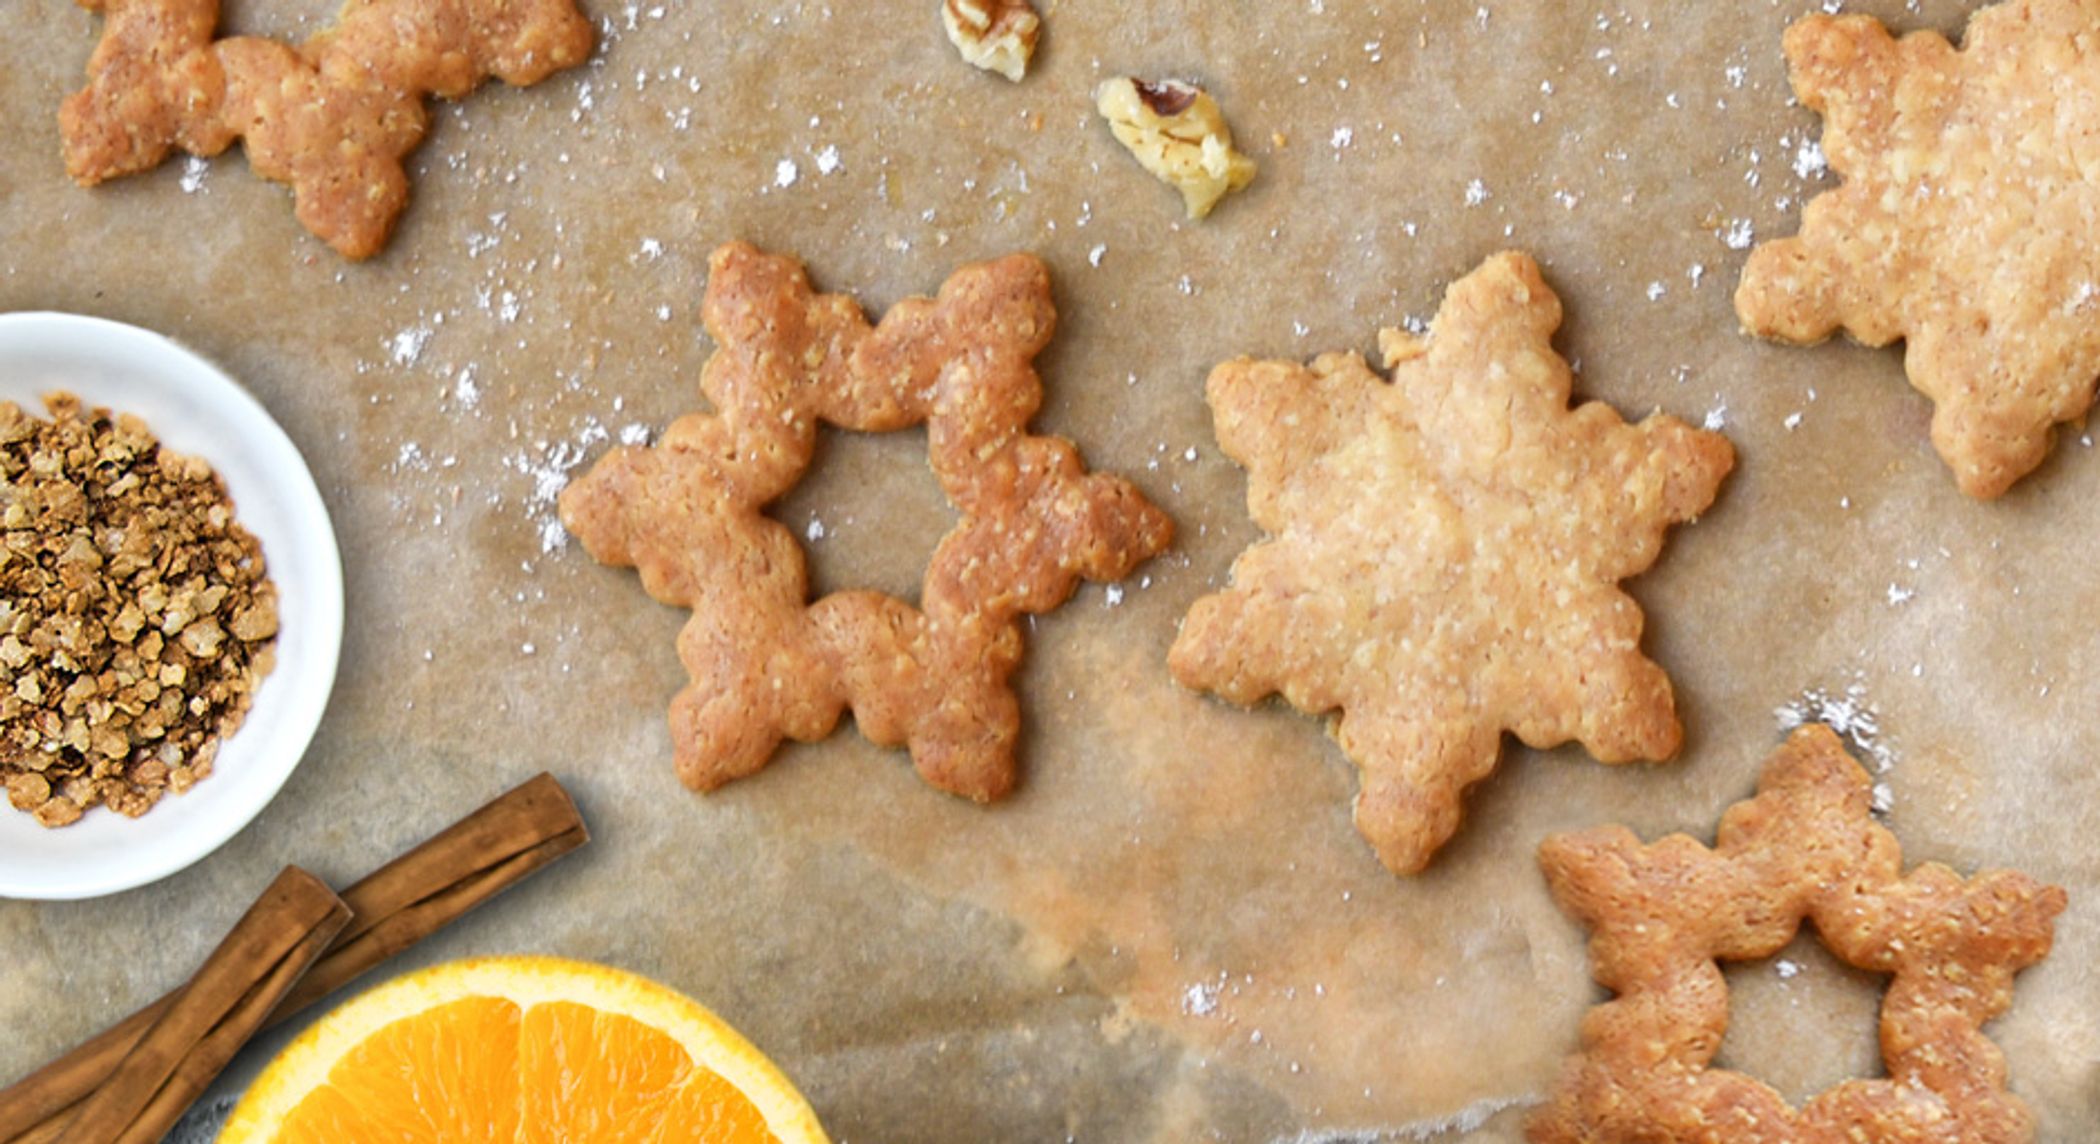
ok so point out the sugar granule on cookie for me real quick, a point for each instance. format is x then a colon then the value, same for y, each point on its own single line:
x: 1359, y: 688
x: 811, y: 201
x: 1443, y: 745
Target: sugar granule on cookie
x: 1663, y: 916
x: 333, y: 118
x: 1176, y: 131
x: 766, y: 663
x: 1444, y: 554
x: 1964, y: 224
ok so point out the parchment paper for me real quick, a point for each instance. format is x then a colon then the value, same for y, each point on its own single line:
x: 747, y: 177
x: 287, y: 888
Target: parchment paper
x: 1172, y: 932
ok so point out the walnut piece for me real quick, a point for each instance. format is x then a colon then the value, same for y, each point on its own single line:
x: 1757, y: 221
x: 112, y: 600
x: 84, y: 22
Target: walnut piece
x: 996, y: 35
x: 1178, y: 133
x: 135, y: 616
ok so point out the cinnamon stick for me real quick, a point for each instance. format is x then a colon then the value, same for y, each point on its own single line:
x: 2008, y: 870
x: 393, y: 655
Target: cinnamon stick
x: 392, y: 909
x: 428, y: 888
x: 213, y: 1015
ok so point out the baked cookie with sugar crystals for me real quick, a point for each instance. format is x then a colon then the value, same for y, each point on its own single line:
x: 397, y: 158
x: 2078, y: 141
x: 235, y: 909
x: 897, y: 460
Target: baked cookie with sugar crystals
x: 1663, y: 916
x: 1965, y: 225
x: 766, y: 662
x: 333, y: 118
x: 1444, y: 554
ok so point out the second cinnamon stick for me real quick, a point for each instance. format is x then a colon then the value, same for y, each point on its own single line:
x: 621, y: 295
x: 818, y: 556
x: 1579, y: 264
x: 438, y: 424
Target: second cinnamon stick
x: 213, y: 1015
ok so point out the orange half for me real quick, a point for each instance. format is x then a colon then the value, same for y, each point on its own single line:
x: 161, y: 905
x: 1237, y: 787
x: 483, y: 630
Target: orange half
x: 533, y: 1050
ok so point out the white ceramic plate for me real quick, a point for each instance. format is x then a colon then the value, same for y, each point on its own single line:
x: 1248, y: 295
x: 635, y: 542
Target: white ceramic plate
x: 193, y: 408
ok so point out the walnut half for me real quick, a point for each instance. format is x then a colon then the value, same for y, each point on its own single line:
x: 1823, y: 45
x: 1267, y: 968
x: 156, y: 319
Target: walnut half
x: 1178, y: 133
x: 996, y: 35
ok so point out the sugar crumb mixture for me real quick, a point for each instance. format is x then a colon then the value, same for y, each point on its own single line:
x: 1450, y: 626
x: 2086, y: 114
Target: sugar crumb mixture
x: 136, y: 618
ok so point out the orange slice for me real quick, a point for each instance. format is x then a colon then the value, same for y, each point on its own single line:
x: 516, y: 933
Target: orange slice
x: 532, y: 1050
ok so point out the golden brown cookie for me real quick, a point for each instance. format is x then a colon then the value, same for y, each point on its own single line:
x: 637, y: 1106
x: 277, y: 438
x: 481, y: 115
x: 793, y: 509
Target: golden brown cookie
x: 1662, y: 916
x: 1444, y: 554
x: 689, y: 514
x: 333, y: 118
x: 1964, y: 224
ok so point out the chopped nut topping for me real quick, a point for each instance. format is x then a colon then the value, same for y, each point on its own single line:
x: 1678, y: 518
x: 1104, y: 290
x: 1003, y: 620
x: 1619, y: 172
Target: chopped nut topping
x: 1178, y: 133
x: 996, y: 35
x: 135, y: 614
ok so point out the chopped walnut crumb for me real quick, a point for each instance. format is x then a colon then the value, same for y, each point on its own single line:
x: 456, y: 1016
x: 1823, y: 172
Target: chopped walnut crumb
x: 136, y: 618
x: 996, y: 35
x: 1178, y: 133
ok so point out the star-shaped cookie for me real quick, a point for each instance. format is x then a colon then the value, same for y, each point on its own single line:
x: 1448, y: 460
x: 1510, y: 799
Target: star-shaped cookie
x: 1662, y: 916
x: 689, y: 514
x: 1444, y: 554
x: 1966, y: 223
x: 334, y: 118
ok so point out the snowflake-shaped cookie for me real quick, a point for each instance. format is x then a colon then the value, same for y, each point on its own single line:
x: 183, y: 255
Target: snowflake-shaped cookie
x: 1444, y: 554
x: 689, y: 514
x: 1965, y: 224
x: 334, y: 117
x: 1662, y: 916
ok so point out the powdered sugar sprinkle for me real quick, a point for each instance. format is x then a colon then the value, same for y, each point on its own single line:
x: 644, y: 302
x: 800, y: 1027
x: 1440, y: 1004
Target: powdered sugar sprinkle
x: 1856, y: 720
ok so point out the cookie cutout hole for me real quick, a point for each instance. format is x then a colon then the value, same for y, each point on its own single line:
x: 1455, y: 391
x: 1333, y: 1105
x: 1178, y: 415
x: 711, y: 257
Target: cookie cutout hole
x: 1802, y: 1021
x: 869, y: 513
x: 286, y: 21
